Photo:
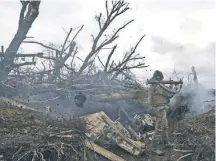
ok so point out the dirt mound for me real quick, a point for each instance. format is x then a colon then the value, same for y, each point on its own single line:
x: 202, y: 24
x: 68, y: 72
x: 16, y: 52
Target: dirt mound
x: 26, y: 136
x: 194, y: 138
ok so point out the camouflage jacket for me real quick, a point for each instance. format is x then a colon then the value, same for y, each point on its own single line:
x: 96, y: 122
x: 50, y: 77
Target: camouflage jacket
x: 159, y: 95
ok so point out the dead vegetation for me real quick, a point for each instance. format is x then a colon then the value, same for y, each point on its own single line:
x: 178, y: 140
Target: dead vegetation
x: 38, y: 117
x: 29, y: 135
x: 194, y: 138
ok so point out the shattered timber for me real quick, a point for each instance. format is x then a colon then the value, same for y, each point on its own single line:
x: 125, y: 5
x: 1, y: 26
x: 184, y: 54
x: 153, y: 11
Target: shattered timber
x: 56, y: 111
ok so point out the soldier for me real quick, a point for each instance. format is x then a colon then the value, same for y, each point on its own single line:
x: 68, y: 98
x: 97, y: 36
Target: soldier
x: 159, y: 97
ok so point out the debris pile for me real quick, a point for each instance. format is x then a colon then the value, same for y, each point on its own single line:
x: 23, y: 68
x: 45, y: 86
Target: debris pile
x: 120, y: 127
x: 30, y: 135
x: 194, y: 138
x: 103, y: 128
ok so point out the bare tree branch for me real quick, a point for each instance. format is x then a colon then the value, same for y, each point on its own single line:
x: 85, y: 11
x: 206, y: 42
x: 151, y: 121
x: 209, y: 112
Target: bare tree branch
x: 107, y: 9
x: 51, y: 58
x: 100, y: 61
x: 118, y: 8
x: 74, y: 37
x: 99, y: 20
x: 115, y: 36
x: 75, y: 52
x: 66, y: 40
x: 61, y: 55
x: 109, y: 57
x: 129, y: 56
x: 39, y: 43
x: 24, y: 55
x: 23, y: 64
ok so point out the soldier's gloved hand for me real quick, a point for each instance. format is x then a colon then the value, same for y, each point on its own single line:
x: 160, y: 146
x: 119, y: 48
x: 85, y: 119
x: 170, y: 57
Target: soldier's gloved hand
x: 166, y: 107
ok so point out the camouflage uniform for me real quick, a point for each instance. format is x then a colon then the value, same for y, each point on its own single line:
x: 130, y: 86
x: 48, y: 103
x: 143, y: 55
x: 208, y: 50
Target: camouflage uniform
x: 159, y: 98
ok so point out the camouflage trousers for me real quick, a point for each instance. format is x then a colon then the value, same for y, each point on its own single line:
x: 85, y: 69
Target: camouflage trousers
x: 161, y: 126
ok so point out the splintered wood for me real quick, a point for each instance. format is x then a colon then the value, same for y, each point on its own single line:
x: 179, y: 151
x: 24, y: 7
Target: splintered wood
x: 99, y: 124
x: 109, y: 155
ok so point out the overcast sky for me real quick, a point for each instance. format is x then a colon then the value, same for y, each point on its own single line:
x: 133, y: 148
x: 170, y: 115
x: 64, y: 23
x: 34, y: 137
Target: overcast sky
x: 179, y: 33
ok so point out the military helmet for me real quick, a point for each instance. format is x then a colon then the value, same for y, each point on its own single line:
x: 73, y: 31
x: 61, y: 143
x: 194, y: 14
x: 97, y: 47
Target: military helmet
x: 158, y: 75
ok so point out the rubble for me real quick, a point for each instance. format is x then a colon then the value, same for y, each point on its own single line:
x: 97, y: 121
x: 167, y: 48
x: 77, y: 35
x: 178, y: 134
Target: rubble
x: 132, y: 135
x: 102, y: 130
x: 102, y: 127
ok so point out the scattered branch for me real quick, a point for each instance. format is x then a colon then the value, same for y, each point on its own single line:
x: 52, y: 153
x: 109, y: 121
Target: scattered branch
x: 100, y: 61
x: 184, y: 156
x: 183, y: 151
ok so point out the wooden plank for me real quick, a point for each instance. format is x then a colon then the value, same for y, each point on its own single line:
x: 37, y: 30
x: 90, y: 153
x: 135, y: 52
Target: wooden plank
x: 107, y: 154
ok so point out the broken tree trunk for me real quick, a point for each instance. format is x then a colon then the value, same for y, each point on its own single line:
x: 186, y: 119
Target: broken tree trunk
x: 60, y: 61
x: 194, y: 75
x: 139, y: 94
x: 25, y: 22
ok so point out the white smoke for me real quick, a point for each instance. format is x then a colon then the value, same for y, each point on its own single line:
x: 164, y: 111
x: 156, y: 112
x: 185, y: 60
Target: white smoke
x: 197, y: 98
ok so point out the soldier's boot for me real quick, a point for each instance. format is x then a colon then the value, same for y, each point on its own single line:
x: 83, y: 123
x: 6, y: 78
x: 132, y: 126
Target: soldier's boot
x: 155, y: 145
x: 166, y: 140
